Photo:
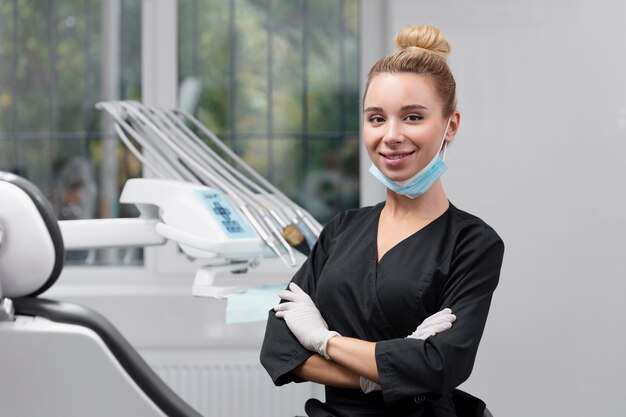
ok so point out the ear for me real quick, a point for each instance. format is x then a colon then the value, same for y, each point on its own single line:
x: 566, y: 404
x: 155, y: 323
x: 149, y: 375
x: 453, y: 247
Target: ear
x: 455, y: 121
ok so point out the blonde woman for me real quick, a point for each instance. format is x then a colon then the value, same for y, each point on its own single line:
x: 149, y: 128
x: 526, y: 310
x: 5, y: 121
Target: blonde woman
x: 378, y: 274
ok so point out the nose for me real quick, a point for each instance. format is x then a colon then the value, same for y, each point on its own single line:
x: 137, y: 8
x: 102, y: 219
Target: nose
x: 393, y: 134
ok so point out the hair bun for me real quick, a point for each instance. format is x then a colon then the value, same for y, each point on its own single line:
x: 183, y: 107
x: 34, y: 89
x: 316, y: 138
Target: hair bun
x: 425, y: 37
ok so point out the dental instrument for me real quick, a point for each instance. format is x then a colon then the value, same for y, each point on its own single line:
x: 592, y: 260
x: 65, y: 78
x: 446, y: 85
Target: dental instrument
x: 173, y: 158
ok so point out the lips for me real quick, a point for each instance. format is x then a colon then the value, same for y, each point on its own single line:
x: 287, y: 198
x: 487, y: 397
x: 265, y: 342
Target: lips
x: 395, y: 156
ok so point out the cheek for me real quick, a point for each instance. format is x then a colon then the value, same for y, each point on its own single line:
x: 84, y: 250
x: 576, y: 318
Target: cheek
x: 424, y: 136
x: 370, y: 139
x: 370, y: 142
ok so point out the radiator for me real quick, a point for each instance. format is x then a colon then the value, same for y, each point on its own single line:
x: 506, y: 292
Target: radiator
x: 229, y: 384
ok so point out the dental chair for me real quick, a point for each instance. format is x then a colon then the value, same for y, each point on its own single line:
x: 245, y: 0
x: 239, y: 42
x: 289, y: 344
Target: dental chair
x: 56, y: 358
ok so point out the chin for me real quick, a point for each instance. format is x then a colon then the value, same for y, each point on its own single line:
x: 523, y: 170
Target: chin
x: 398, y: 176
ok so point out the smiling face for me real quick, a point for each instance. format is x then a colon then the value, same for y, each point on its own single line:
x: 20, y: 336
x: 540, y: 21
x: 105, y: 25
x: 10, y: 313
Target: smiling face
x: 404, y: 123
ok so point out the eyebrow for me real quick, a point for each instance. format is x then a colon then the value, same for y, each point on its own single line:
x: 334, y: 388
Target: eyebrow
x: 413, y: 107
x: 403, y: 108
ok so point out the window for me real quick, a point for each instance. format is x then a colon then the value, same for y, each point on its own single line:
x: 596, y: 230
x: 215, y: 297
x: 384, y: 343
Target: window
x: 278, y: 80
x: 57, y: 59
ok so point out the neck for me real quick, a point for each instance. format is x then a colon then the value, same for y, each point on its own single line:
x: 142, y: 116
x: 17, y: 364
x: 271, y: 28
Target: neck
x: 432, y: 204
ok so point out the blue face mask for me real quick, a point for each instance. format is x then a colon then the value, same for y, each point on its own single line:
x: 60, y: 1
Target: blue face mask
x: 420, y: 182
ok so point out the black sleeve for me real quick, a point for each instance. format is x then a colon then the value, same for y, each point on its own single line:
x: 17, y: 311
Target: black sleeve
x: 409, y: 367
x: 281, y: 352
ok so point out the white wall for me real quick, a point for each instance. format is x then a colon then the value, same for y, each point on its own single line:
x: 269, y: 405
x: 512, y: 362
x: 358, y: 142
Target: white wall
x: 541, y: 156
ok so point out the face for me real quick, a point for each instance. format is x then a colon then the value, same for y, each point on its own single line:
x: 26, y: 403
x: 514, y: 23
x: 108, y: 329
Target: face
x: 404, y: 123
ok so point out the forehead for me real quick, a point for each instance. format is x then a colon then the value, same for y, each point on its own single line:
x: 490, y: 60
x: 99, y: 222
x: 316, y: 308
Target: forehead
x: 394, y: 90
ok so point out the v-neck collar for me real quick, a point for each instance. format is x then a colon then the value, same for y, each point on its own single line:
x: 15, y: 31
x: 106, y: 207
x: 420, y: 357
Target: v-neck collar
x: 406, y: 239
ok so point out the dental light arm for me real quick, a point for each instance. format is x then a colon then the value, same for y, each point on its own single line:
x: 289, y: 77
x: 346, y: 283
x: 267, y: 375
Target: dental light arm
x: 199, y: 219
x: 109, y: 233
x: 175, y: 145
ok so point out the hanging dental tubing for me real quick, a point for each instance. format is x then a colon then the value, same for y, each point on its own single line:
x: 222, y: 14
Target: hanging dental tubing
x: 195, y: 147
x: 293, y: 231
x: 309, y: 222
x: 211, y: 156
x: 199, y: 172
x: 290, y: 231
x: 179, y: 165
x: 156, y: 161
x: 269, y: 186
x: 260, y: 209
x: 165, y: 170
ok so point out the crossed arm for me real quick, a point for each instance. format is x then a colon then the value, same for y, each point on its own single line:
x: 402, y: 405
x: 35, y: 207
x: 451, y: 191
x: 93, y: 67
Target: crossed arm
x: 353, y: 363
x: 317, y: 369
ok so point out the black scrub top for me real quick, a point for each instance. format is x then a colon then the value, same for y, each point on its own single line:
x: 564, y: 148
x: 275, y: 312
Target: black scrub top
x: 452, y: 262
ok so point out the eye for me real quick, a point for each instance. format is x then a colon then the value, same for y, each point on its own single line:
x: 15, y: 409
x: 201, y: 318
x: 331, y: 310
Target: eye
x: 376, y: 119
x: 413, y: 117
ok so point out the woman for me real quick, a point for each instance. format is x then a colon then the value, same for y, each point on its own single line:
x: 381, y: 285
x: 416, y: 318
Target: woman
x: 376, y: 273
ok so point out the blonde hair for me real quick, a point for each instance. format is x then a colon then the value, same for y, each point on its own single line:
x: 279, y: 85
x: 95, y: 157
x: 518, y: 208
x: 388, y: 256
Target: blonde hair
x: 422, y: 50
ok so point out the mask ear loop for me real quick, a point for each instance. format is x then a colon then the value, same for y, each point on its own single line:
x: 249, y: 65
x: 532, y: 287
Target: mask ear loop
x: 444, y: 145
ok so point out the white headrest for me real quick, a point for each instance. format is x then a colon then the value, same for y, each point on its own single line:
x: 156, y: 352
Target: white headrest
x: 31, y: 248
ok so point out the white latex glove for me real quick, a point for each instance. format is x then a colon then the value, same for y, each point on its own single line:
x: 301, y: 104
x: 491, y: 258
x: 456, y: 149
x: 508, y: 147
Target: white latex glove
x: 304, y: 320
x: 437, y: 323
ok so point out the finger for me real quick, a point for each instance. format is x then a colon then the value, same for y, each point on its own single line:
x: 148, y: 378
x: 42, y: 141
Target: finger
x: 287, y: 295
x: 443, y: 312
x: 283, y: 306
x: 443, y: 325
x: 297, y: 290
x: 439, y: 317
x: 417, y: 334
x: 449, y: 318
x: 294, y: 287
x: 282, y: 310
x: 424, y: 332
x: 438, y: 328
x: 301, y: 295
x: 426, y: 335
x: 434, y: 318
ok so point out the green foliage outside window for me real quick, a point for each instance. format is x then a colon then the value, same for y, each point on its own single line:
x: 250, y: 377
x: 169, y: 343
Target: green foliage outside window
x: 279, y: 83
x: 51, y: 68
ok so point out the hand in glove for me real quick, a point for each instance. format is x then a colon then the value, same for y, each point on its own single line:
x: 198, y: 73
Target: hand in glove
x: 434, y: 324
x: 437, y: 323
x: 304, y: 320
